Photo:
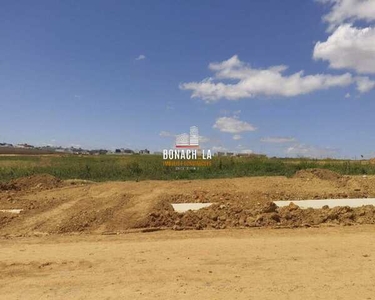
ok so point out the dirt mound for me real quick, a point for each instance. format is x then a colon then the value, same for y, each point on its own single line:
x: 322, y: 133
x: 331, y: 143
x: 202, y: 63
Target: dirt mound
x: 317, y: 173
x: 205, y: 196
x: 35, y: 182
x: 85, y: 220
x: 6, y: 218
x: 7, y: 187
x: 120, y: 206
x: 220, y: 216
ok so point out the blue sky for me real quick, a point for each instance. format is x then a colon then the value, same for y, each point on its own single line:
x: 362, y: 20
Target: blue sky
x: 134, y: 73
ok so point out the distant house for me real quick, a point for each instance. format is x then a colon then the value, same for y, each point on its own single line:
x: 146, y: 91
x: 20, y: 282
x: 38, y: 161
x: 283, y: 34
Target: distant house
x: 59, y: 150
x: 25, y: 146
x: 124, y: 151
x: 252, y: 155
x: 98, y: 152
x: 145, y: 151
x: 128, y: 151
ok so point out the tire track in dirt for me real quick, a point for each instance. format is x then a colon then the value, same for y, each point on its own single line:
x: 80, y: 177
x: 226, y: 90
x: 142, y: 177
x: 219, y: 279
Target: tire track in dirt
x: 36, y: 221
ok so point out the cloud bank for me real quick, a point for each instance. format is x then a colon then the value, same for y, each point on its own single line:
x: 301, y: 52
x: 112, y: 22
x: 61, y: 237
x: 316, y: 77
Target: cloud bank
x: 257, y: 82
x: 343, y: 11
x: 349, y: 48
x: 233, y: 125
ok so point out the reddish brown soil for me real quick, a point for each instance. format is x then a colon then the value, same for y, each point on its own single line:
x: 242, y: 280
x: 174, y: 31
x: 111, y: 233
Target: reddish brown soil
x: 318, y: 174
x: 232, y: 215
x: 6, y: 218
x: 53, y: 206
x: 34, y: 182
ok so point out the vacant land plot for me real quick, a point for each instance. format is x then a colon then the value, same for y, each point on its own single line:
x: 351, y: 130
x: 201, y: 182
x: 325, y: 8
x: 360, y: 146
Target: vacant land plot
x: 324, y: 263
x: 51, y: 205
x: 78, y: 239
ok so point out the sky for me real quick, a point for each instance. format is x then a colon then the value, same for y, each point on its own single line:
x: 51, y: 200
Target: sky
x: 283, y: 78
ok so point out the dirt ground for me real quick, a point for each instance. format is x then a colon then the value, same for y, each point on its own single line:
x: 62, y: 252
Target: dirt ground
x: 121, y: 240
x: 52, y: 206
x: 311, y: 263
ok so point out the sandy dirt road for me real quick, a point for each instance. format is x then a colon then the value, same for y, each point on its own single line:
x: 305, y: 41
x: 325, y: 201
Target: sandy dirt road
x: 314, y: 263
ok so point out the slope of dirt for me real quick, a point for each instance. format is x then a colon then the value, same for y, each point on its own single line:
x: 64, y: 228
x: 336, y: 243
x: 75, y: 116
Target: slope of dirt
x: 34, y: 182
x: 89, y: 208
x: 6, y: 218
x: 53, y: 206
x: 37, y: 182
x: 319, y: 174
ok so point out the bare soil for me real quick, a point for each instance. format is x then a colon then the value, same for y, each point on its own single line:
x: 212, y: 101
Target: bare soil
x: 52, y: 206
x: 83, y: 240
x: 312, y: 263
x: 319, y: 174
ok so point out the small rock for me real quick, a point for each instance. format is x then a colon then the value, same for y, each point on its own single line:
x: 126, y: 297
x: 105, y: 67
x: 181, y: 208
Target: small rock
x: 222, y: 218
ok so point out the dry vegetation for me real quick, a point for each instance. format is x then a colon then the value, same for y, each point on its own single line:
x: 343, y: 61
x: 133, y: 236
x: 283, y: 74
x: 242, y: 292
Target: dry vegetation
x: 150, y: 167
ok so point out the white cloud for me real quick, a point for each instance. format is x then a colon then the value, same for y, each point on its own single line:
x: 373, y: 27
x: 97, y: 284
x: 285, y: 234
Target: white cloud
x: 364, y: 84
x: 349, y: 11
x: 256, y: 82
x: 166, y: 134
x: 349, y: 48
x: 233, y: 125
x: 141, y: 57
x: 304, y: 150
x: 237, y: 137
x: 278, y: 140
x: 347, y: 95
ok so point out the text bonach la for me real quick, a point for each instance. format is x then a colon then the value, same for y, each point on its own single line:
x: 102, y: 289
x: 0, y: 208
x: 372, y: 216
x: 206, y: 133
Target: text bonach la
x: 185, y: 154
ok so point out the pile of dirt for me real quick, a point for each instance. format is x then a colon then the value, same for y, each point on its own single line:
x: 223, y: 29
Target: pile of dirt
x: 221, y: 216
x: 34, y: 182
x: 6, y: 218
x: 205, y: 196
x: 121, y: 206
x: 7, y: 187
x: 85, y: 220
x: 318, y: 173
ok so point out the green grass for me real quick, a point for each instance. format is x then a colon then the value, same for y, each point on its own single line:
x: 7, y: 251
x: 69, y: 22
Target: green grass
x: 107, y: 167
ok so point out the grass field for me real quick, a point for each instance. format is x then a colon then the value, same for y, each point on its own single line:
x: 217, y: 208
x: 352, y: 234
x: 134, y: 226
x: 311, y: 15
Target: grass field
x: 108, y: 167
